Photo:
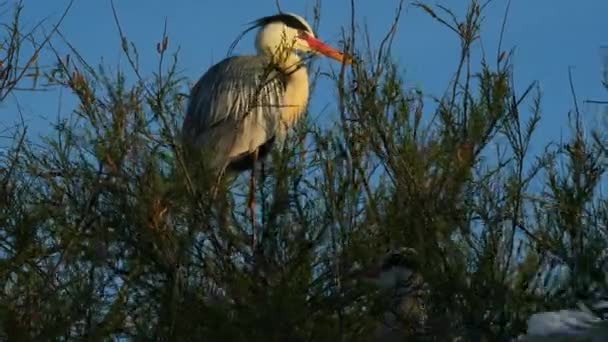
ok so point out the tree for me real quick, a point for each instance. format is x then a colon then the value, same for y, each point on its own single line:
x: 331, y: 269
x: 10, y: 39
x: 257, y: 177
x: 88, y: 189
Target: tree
x: 108, y: 231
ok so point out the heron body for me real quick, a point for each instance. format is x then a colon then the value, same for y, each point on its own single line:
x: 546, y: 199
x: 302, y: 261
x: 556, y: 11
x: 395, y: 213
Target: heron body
x: 250, y: 116
x: 244, y: 105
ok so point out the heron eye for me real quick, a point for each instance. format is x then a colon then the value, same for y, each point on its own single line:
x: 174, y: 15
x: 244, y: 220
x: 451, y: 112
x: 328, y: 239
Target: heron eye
x: 303, y: 34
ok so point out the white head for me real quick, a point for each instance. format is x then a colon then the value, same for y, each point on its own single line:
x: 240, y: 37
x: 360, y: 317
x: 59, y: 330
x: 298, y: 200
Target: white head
x: 290, y: 31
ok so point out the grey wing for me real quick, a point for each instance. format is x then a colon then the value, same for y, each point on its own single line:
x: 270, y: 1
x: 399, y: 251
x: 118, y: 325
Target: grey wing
x: 235, y: 107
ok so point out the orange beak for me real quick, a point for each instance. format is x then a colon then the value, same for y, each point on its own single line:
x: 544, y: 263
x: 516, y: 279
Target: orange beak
x: 327, y: 50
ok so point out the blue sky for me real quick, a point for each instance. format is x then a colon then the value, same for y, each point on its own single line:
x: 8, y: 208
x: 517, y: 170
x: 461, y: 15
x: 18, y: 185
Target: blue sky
x: 549, y: 36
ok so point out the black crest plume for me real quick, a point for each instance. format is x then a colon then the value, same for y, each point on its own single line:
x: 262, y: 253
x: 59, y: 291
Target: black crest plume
x: 287, y: 19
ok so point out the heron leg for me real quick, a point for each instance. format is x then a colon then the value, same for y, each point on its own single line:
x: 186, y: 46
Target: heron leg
x: 216, y: 185
x: 252, y: 200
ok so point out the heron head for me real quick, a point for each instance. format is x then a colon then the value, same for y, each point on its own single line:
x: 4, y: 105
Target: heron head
x: 288, y: 32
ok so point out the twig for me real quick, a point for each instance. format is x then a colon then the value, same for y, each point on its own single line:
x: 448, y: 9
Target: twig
x: 596, y: 102
x: 432, y: 13
x: 577, y: 111
x: 34, y: 56
x: 502, y: 32
x: 388, y: 39
x: 125, y: 48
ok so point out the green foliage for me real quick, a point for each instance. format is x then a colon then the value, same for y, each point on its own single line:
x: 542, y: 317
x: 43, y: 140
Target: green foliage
x: 110, y: 229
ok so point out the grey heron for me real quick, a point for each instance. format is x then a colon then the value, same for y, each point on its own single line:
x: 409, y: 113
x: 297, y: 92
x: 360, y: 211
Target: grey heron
x: 243, y: 105
x: 397, y: 275
x: 396, y: 268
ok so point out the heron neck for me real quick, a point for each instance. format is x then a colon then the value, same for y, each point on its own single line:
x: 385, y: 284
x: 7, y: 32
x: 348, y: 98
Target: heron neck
x: 290, y: 64
x: 295, y: 98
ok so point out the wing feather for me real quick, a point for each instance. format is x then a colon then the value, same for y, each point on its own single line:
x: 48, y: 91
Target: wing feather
x: 235, y: 107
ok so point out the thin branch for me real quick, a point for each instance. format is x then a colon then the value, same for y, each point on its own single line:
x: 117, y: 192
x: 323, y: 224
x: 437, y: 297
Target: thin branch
x: 125, y: 48
x: 596, y: 102
x: 573, y: 92
x: 502, y: 32
x: 34, y: 56
x: 432, y: 13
